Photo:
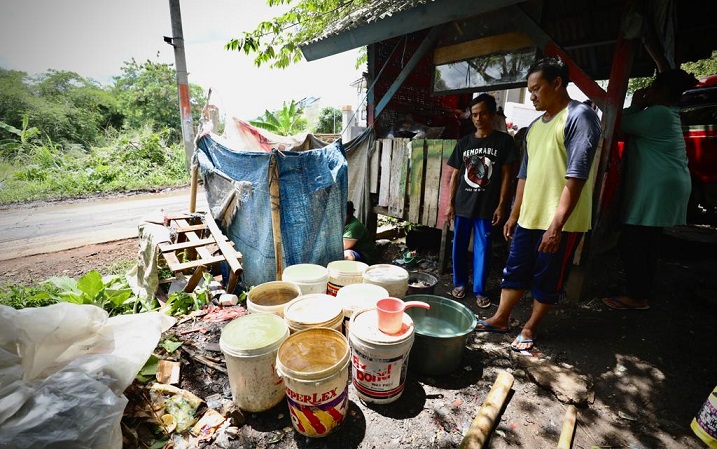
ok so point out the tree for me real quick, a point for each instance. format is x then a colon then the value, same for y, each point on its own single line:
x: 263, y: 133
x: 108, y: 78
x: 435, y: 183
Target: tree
x: 148, y: 94
x: 276, y: 42
x: 329, y: 121
x: 285, y: 122
x: 699, y: 69
x: 703, y: 67
x: 65, y: 107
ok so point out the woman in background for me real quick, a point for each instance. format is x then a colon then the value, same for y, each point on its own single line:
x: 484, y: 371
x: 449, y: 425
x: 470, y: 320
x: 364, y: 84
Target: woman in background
x: 657, y: 182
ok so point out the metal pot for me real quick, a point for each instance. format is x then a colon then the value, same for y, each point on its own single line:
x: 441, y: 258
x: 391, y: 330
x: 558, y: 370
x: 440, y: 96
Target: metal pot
x: 421, y: 283
x: 441, y: 334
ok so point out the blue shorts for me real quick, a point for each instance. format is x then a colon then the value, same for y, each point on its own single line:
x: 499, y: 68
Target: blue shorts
x: 543, y: 273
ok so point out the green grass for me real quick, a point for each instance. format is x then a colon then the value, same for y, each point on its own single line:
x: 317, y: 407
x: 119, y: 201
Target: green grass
x: 133, y: 160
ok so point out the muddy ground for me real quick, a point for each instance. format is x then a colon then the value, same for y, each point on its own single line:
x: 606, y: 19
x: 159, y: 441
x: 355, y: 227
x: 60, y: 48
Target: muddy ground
x: 646, y: 373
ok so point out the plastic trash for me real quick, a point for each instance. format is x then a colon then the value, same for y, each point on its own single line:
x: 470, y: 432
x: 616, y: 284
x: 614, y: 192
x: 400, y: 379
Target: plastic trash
x: 63, y: 371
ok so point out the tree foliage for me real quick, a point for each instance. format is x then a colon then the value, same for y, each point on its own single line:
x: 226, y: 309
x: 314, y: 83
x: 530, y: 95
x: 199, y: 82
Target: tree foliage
x: 699, y: 69
x: 65, y: 107
x: 148, y: 95
x: 276, y: 42
x: 287, y: 121
x: 329, y: 121
x: 703, y: 67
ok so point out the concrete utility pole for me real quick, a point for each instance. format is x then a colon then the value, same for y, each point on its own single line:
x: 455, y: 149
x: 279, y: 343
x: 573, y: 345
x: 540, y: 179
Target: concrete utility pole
x: 177, y: 41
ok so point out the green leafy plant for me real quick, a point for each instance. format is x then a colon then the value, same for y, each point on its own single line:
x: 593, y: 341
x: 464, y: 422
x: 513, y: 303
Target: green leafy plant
x: 20, y: 297
x: 111, y: 293
x: 181, y: 303
x: 149, y: 370
x: 285, y: 122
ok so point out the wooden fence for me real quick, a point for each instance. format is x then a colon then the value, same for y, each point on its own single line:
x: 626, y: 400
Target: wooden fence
x: 411, y: 179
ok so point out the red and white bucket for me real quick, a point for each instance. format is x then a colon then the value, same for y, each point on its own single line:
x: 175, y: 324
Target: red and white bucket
x: 314, y: 364
x: 379, y: 361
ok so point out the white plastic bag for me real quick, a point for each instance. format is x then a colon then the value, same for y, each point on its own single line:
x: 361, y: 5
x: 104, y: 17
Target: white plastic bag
x: 63, y: 371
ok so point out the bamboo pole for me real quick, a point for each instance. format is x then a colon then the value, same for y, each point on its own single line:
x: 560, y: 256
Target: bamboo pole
x: 484, y: 421
x: 275, y: 215
x: 193, y: 191
x: 566, y: 435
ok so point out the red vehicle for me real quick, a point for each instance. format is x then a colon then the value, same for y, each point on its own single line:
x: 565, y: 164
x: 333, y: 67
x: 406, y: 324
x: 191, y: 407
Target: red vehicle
x: 698, y: 110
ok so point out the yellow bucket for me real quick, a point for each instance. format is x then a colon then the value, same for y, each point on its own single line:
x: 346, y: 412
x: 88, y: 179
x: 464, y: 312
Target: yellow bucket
x: 704, y: 425
x: 314, y: 364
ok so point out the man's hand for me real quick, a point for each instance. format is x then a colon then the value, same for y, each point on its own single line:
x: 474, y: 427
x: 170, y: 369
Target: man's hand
x: 497, y: 216
x: 551, y: 240
x: 509, y: 227
x: 450, y: 213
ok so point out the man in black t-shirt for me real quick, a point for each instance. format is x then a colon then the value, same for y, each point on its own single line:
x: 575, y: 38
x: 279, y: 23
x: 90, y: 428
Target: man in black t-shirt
x: 479, y: 195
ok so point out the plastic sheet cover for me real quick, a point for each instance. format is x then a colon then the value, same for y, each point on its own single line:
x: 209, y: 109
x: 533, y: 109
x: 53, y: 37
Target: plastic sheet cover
x: 313, y: 190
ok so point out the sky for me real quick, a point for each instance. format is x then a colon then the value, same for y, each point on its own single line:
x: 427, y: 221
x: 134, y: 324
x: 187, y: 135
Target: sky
x: 94, y: 37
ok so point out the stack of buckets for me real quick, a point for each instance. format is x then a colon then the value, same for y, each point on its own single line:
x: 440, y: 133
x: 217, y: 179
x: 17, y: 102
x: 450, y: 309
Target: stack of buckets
x: 290, y: 345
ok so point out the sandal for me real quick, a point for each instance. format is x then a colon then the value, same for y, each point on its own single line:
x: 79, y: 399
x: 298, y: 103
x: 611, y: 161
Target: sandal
x: 459, y: 292
x: 483, y: 301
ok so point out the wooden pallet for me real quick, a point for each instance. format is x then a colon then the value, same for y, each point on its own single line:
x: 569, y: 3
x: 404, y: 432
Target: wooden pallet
x: 198, y: 246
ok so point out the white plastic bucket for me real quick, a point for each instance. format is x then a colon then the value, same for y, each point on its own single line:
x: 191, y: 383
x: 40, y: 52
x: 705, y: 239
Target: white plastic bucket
x: 315, y: 310
x: 391, y: 277
x: 343, y: 273
x: 379, y: 361
x: 250, y: 345
x: 355, y: 297
x: 314, y: 364
x: 310, y: 278
x: 272, y: 297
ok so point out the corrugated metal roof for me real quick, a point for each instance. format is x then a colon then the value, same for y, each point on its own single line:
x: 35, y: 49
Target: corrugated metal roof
x: 374, y: 11
x: 586, y: 29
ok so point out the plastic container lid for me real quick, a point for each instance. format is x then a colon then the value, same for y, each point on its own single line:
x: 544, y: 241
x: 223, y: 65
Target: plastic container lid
x: 354, y: 297
x: 253, y: 334
x: 305, y: 272
x: 386, y: 274
x: 347, y: 267
x: 314, y: 309
x: 364, y: 325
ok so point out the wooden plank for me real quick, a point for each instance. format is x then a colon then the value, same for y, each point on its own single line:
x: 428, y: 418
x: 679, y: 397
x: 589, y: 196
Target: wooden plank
x: 432, y: 185
x: 226, y: 249
x: 172, y: 260
x: 399, y: 172
x: 197, y: 263
x: 373, y: 166
x: 194, y: 279
x: 165, y: 247
x: 193, y: 237
x: 481, y: 47
x: 444, y: 194
x: 384, y: 187
x: 415, y: 181
x: 189, y: 228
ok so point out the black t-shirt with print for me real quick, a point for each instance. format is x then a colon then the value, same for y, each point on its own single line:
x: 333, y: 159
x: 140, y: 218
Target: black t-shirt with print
x: 480, y: 161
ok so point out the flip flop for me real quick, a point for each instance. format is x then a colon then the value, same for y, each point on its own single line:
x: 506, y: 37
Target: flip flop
x: 620, y: 305
x: 488, y: 328
x: 458, y: 292
x: 483, y: 302
x: 521, y: 341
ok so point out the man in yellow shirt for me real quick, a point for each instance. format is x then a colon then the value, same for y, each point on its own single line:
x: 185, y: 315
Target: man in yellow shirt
x: 553, y: 200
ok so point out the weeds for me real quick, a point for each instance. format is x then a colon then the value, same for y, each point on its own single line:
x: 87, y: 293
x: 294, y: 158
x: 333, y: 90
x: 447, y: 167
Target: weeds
x: 131, y: 160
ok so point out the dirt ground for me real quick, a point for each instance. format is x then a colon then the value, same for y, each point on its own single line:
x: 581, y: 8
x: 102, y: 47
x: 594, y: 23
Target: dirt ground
x: 645, y: 373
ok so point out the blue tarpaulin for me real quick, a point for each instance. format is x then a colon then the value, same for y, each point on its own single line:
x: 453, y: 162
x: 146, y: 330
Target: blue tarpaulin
x: 313, y: 190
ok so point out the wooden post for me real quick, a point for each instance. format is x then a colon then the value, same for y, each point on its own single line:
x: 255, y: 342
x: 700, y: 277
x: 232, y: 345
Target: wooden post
x: 484, y: 421
x: 193, y: 191
x: 275, y: 215
x: 566, y: 435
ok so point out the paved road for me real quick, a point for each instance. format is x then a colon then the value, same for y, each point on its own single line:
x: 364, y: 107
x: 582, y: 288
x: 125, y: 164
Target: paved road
x: 29, y: 230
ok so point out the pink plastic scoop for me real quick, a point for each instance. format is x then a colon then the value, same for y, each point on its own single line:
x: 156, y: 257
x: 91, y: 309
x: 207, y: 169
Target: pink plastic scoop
x: 390, y: 313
